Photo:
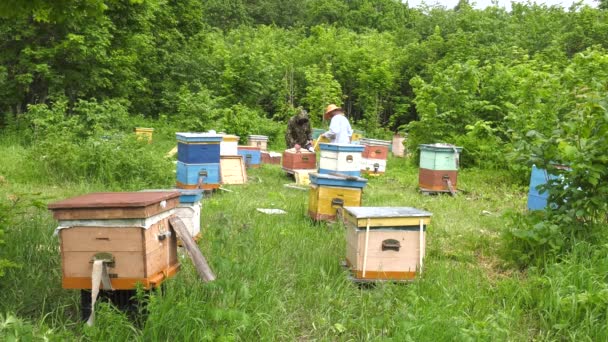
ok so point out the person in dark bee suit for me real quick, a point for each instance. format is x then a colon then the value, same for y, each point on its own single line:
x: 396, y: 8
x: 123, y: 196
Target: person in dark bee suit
x: 299, y: 131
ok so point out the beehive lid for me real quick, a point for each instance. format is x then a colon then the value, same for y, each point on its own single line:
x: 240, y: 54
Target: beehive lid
x: 440, y: 147
x: 189, y: 137
x: 302, y: 151
x: 230, y: 138
x: 111, y: 205
x: 341, y: 147
x: 375, y: 142
x: 376, y: 217
x: 337, y: 180
x: 258, y: 137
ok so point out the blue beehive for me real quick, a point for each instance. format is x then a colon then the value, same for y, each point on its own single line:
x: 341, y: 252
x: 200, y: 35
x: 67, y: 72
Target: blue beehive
x: 198, y: 148
x: 252, y: 156
x: 331, y: 180
x: 536, y: 199
x: 188, y: 175
x: 190, y: 196
x: 198, y: 158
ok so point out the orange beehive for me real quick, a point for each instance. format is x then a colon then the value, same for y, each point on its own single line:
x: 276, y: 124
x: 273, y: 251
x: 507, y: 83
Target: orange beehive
x: 130, y: 231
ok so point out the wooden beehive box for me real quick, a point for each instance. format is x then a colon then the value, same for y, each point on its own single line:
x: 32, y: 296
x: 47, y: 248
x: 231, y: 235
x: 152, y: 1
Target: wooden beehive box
x: 233, y: 170
x: 438, y: 167
x: 328, y: 193
x: 229, y: 145
x: 198, y: 148
x: 260, y: 141
x: 271, y: 158
x: 299, y: 160
x: 144, y: 133
x: 375, y: 149
x: 190, y: 175
x: 340, y: 158
x: 397, y: 146
x: 252, y: 156
x: 130, y: 228
x: 385, y: 243
x: 373, y: 166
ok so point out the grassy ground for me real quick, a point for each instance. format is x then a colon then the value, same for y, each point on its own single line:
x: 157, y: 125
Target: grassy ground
x: 279, y: 276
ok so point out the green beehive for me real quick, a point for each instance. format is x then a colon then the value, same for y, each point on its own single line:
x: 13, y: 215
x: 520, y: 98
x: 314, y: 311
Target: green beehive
x: 439, y: 157
x: 438, y: 168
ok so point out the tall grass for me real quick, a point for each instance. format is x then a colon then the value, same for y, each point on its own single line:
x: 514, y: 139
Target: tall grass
x: 279, y: 276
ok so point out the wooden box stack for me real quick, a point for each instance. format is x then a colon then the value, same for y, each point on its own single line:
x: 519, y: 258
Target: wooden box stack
x: 385, y: 243
x: 438, y: 167
x: 374, y: 156
x: 299, y: 160
x: 341, y: 158
x: 198, y: 160
x: 329, y: 192
x: 252, y: 156
x: 260, y: 141
x: 129, y: 230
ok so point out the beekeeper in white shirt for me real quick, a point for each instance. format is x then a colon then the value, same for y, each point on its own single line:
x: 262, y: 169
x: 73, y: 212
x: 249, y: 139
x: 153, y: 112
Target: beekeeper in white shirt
x: 340, y: 131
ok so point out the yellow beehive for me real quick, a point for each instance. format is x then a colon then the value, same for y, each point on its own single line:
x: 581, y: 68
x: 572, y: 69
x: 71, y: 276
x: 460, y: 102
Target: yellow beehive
x: 323, y: 201
x: 144, y: 133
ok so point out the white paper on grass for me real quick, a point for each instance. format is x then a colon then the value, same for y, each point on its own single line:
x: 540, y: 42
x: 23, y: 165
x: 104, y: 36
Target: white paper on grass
x: 271, y: 211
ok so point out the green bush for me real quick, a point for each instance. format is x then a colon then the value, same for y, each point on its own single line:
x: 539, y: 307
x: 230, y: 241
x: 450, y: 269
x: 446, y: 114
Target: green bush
x: 116, y: 160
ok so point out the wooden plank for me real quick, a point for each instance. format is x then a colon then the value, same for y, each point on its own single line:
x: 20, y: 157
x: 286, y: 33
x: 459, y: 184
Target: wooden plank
x: 232, y: 170
x: 199, y: 261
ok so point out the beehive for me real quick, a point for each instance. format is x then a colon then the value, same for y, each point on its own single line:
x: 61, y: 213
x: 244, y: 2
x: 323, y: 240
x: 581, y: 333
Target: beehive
x: 537, y: 200
x: 373, y: 166
x: 271, y: 158
x: 260, y: 141
x: 198, y: 176
x: 198, y: 148
x: 130, y: 230
x: 385, y: 243
x: 189, y: 210
x: 340, y: 158
x: 144, y: 133
x: 190, y: 213
x: 328, y: 193
x: 357, y: 136
x: 252, y: 156
x: 229, y: 145
x: 190, y: 196
x: 299, y: 160
x: 375, y: 149
x: 438, y: 167
x: 198, y: 160
x: 397, y: 146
